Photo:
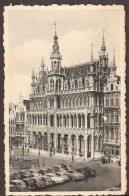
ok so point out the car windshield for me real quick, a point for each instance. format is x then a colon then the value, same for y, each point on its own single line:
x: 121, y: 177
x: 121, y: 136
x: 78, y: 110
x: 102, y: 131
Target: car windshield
x: 58, y: 175
x: 48, y: 171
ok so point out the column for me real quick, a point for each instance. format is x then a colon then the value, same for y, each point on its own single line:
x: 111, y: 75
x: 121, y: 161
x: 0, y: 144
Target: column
x: 42, y: 141
x: 92, y: 147
x: 55, y: 143
x: 77, y: 120
x: 69, y: 138
x: 55, y: 121
x: 97, y: 144
x: 77, y: 147
x: 85, y: 147
x: 37, y: 141
x: 48, y: 142
x: 62, y: 142
x: 85, y: 120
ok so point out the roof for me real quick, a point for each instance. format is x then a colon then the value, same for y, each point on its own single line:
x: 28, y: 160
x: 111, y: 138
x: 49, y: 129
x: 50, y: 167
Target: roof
x: 79, y: 69
x: 27, y: 104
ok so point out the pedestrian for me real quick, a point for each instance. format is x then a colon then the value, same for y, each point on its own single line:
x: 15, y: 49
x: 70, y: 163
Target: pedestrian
x: 72, y: 157
x: 109, y: 159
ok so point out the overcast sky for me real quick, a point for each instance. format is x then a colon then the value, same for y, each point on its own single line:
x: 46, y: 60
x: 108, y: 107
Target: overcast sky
x: 30, y: 37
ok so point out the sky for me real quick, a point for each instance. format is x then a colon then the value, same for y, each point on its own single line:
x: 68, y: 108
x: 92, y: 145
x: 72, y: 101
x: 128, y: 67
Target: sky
x: 30, y: 35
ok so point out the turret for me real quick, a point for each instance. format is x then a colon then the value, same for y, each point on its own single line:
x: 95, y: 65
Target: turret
x: 103, y: 57
x: 42, y: 65
x: 55, y: 56
x: 33, y: 82
x: 113, y: 66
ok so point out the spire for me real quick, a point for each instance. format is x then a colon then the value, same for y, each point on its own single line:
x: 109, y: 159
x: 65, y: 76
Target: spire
x: 92, y: 52
x: 114, y: 63
x: 103, y: 48
x: 33, y: 73
x: 42, y: 65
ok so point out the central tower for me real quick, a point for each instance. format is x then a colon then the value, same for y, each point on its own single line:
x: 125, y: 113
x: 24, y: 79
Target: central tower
x: 55, y: 56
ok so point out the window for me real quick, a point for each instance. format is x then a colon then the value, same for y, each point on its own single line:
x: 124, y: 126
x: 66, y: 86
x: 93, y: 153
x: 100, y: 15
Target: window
x: 112, y: 118
x: 112, y: 100
x: 116, y: 100
x: 111, y: 87
x: 88, y: 120
x: 107, y: 101
x: 58, y: 85
x: 52, y: 85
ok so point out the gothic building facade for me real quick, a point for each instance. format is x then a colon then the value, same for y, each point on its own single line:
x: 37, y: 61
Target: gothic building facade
x: 68, y: 113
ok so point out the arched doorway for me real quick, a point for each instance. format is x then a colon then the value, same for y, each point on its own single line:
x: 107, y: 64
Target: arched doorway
x: 81, y: 145
x: 45, y: 141
x: 65, y: 144
x: 59, y: 143
x: 52, y: 120
x: 89, y: 146
x: 73, y: 143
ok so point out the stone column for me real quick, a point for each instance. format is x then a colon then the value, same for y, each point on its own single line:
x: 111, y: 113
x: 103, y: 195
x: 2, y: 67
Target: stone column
x: 62, y: 142
x: 37, y: 141
x: 42, y: 141
x: 77, y: 146
x: 92, y: 147
x: 85, y: 147
x: 77, y: 120
x: 69, y: 138
x: 85, y: 120
x: 55, y: 143
x: 48, y: 142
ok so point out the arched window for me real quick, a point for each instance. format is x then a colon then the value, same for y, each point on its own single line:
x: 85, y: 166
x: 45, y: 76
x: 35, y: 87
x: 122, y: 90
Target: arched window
x: 52, y: 85
x: 116, y: 100
x: 58, y: 85
x: 111, y: 87
x: 112, y: 134
x: 112, y: 100
x: 107, y: 133
x: 88, y: 120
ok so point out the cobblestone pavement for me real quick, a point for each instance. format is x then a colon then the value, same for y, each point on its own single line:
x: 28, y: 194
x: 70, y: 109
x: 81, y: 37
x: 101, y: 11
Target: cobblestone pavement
x: 109, y: 174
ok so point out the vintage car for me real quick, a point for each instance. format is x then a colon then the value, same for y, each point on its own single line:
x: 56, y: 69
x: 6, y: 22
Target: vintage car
x: 91, y: 172
x: 22, y: 171
x: 15, y: 176
x: 32, y: 170
x: 75, y: 175
x: 44, y: 171
x: 67, y: 167
x: 12, y: 187
x: 30, y: 183
x: 58, y: 168
x: 20, y: 185
x: 48, y: 180
x: 63, y: 175
x: 39, y: 181
x: 56, y: 179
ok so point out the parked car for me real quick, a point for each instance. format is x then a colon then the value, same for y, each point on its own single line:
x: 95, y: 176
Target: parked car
x: 40, y: 182
x: 15, y: 176
x: 75, y: 175
x: 63, y: 175
x: 30, y: 183
x: 91, y: 172
x: 12, y: 187
x: 20, y: 185
x: 67, y: 167
x: 48, y: 180
x: 58, y: 168
x: 45, y: 171
x: 56, y: 179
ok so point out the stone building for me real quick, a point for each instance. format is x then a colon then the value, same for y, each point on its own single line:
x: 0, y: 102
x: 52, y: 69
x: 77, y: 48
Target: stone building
x: 21, y: 137
x: 12, y: 124
x: 112, y: 112
x: 67, y: 110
